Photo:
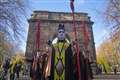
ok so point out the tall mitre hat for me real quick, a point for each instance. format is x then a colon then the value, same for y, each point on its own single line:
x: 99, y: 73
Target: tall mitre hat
x: 61, y: 26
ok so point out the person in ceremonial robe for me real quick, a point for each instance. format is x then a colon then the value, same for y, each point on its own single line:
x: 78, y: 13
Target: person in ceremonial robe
x: 62, y: 57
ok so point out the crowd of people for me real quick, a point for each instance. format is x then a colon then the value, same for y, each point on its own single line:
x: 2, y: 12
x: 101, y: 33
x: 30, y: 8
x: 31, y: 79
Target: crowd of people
x: 59, y: 62
x: 62, y: 61
x: 10, y: 70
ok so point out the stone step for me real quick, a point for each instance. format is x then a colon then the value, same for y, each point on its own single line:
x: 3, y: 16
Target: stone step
x: 96, y: 77
x: 106, y: 77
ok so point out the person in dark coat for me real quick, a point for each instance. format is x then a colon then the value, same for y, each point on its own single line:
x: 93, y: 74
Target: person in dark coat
x: 35, y: 71
x: 82, y: 64
x: 88, y: 70
x: 17, y: 68
x: 62, y: 57
x: 6, y: 67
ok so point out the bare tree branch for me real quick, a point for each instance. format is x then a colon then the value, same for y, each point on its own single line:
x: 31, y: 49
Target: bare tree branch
x: 112, y: 12
x: 11, y: 13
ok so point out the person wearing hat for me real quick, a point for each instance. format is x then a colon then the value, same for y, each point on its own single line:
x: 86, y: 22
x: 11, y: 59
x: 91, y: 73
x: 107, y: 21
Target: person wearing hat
x: 62, y: 57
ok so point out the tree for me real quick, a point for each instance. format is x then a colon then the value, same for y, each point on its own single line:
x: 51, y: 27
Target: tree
x: 6, y: 49
x: 102, y: 57
x: 112, y: 13
x: 18, y: 58
x: 115, y: 40
x: 108, y: 48
x: 107, y: 54
x: 11, y: 16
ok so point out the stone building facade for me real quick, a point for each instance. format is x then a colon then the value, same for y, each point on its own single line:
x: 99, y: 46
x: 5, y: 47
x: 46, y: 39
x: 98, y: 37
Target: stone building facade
x: 49, y: 22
